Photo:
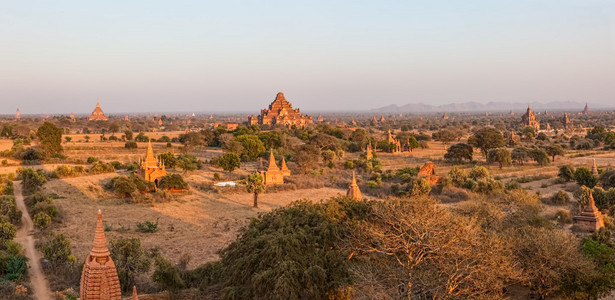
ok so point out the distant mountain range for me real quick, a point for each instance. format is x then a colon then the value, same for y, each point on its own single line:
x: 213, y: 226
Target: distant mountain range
x: 490, y: 107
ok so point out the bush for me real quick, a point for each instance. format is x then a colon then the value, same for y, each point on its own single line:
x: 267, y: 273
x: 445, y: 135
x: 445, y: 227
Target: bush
x: 147, y: 227
x: 130, y: 261
x: 92, y: 160
x: 123, y: 186
x: 56, y: 249
x: 566, y: 173
x: 560, y: 198
x: 479, y: 172
x: 420, y: 187
x: 101, y: 168
x: 173, y: 181
x: 130, y: 145
x: 32, y: 180
x: 42, y: 220
x: 7, y: 231
x: 584, y: 176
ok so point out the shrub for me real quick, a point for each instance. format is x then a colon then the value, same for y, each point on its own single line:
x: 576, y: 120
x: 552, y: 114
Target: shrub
x: 566, y: 173
x: 420, y: 187
x: 92, y: 160
x: 130, y: 145
x: 42, y: 220
x: 217, y: 177
x: 479, y: 172
x: 7, y: 231
x: 123, y: 186
x: 130, y: 261
x: 458, y: 176
x: 147, y: 227
x: 584, y: 176
x: 173, y: 181
x: 56, y: 249
x: 101, y: 168
x: 560, y: 198
x: 488, y: 185
x: 32, y: 180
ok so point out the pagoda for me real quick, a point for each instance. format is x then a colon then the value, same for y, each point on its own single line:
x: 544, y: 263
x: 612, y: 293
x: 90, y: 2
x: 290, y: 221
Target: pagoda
x: 382, y: 119
x: 369, y: 151
x: 567, y: 122
x: 285, y: 170
x: 353, y: 190
x: 280, y: 111
x: 72, y: 117
x: 529, y: 119
x: 320, y: 118
x: 594, y: 169
x: 17, y: 115
x: 586, y: 110
x: 394, y: 141
x: 150, y: 168
x: 590, y: 216
x: 98, y: 114
x: 99, y: 280
x: 273, y: 174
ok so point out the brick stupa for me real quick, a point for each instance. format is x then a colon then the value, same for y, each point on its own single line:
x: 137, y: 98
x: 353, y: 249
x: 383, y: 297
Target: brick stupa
x: 98, y: 114
x: 353, y: 190
x: 99, y: 280
x: 369, y: 151
x: 590, y: 216
x: 280, y: 111
x: 150, y: 168
x: 273, y: 174
x: 17, y: 115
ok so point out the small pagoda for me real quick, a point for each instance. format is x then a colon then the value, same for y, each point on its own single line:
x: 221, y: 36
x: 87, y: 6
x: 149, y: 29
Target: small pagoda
x: 17, y: 115
x: 98, y: 114
x: 594, y: 169
x: 273, y: 174
x: 353, y: 190
x: 369, y: 151
x: 590, y: 216
x: 99, y: 280
x: 150, y: 168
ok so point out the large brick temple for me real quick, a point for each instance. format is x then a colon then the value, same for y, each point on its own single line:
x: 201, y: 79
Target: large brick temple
x: 280, y: 111
x: 98, y: 114
x: 529, y: 119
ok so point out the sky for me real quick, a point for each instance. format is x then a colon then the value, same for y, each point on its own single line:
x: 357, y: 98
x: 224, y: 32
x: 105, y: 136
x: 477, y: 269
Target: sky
x: 209, y: 56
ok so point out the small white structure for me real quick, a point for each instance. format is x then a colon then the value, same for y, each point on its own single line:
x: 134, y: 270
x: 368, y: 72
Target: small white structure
x: 226, y: 183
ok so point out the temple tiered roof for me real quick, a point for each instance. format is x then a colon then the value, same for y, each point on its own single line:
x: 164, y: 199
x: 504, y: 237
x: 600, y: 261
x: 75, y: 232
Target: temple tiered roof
x: 98, y: 114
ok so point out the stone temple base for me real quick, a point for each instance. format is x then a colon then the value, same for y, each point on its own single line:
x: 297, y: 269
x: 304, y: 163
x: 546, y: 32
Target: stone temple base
x: 593, y: 223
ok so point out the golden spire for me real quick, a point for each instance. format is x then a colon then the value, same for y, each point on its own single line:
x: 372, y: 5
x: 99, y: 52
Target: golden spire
x: 353, y: 190
x: 134, y: 293
x: 272, y: 164
x: 354, y: 181
x: 100, y: 243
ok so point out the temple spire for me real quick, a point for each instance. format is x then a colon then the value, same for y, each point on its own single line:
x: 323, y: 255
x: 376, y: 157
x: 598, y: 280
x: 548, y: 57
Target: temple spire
x: 272, y: 164
x: 353, y: 190
x: 134, y: 293
x: 100, y: 242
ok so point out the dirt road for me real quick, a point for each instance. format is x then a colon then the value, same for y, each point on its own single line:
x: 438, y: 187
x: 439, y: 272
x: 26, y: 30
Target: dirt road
x: 38, y: 282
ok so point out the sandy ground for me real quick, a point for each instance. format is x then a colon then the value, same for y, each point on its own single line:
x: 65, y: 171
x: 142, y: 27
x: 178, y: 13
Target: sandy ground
x: 198, y: 224
x: 38, y: 281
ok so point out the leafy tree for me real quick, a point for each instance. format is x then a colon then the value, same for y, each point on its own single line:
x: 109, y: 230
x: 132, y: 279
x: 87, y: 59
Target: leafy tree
x: 584, y: 176
x: 520, y: 155
x: 445, y: 136
x: 56, y: 249
x: 271, y: 140
x: 307, y: 157
x: 540, y: 156
x: 566, y: 173
x: 459, y: 152
x: 32, y: 180
x: 553, y: 150
x: 128, y: 134
x: 255, y: 184
x: 252, y: 146
x: 188, y: 162
x: 50, y: 138
x: 167, y: 276
x: 499, y: 155
x: 607, y: 179
x: 598, y: 134
x: 324, y: 141
x: 130, y: 145
x: 529, y: 132
x: 169, y: 159
x: 487, y: 138
x: 173, y: 181
x: 413, y: 143
x: 130, y: 261
x: 328, y: 156
x: 229, y: 161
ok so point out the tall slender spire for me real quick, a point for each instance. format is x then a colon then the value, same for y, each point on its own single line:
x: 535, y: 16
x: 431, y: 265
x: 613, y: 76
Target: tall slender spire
x: 134, y: 293
x: 353, y: 190
x: 272, y: 164
x: 100, y: 242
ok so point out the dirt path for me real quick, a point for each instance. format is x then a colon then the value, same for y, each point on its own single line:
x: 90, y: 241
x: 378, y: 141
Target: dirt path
x: 38, y: 282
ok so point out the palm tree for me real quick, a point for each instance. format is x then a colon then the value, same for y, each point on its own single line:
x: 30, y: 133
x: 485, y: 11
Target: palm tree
x: 255, y: 184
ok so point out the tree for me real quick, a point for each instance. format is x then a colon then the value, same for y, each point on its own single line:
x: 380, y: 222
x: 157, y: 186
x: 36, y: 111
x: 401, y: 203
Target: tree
x: 128, y: 134
x: 56, y: 249
x: 553, y: 150
x: 167, y: 276
x: 487, y: 138
x: 255, y: 184
x: 529, y: 132
x: 252, y: 146
x: 130, y: 145
x: 420, y: 187
x: 173, y: 181
x: 566, y: 173
x: 229, y: 161
x: 500, y: 155
x: 50, y: 138
x: 520, y: 155
x: 188, y: 162
x: 459, y: 152
x: 328, y: 156
x: 169, y: 159
x: 540, y: 156
x: 324, y: 141
x: 130, y: 261
x: 413, y: 143
x: 584, y: 176
x: 307, y: 157
x: 445, y: 136
x: 607, y: 179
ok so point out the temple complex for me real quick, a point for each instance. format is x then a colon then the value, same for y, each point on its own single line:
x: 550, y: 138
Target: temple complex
x: 98, y: 114
x: 566, y: 121
x: 353, y: 190
x: 17, y: 115
x: 281, y: 112
x: 273, y: 174
x: 150, y: 168
x: 529, y: 119
x: 590, y: 216
x: 586, y: 110
x: 394, y: 141
x: 99, y: 280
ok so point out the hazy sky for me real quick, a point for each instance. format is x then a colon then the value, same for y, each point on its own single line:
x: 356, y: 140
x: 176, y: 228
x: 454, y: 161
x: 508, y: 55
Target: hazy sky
x: 59, y: 56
